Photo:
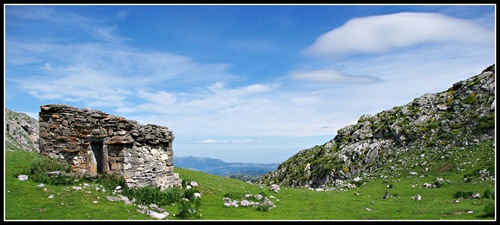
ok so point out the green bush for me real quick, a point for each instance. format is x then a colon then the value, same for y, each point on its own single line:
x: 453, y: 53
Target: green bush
x: 263, y: 207
x: 439, y: 183
x: 111, y: 181
x: 186, y: 211
x: 489, y: 210
x: 358, y: 183
x: 489, y: 193
x: 471, y: 99
x: 486, y: 122
x: 234, y: 195
x: 434, y: 125
x: 40, y: 166
x: 154, y: 195
x: 463, y: 194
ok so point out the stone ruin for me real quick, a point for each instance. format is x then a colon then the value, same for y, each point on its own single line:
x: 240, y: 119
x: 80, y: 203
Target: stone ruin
x: 95, y: 143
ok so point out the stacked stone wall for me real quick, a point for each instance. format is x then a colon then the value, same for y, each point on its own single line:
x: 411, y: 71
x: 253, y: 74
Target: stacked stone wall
x: 96, y: 143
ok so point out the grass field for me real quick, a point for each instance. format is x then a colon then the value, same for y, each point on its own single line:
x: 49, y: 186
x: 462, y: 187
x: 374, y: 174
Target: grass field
x: 24, y: 200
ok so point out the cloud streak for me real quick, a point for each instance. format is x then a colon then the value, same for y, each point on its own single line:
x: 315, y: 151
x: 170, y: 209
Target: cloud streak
x: 212, y: 141
x: 332, y: 76
x: 101, y: 75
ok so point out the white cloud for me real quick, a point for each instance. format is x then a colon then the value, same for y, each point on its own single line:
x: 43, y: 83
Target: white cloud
x: 247, y: 141
x: 200, y: 102
x: 107, y: 34
x: 284, y: 111
x: 31, y: 12
x: 212, y: 141
x: 378, y: 34
x: 110, y: 75
x: 78, y: 83
x: 123, y: 14
x: 242, y: 141
x: 332, y: 76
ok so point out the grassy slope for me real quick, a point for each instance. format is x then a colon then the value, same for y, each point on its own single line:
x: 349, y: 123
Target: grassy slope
x: 25, y: 201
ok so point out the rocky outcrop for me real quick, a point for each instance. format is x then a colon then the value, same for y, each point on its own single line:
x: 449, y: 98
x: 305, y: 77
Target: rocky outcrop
x: 21, y: 131
x: 462, y: 115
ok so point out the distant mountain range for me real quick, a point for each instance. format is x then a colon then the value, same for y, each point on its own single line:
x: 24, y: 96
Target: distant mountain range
x: 221, y: 168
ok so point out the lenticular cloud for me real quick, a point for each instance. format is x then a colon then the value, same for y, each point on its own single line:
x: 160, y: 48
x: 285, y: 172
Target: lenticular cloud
x: 377, y: 34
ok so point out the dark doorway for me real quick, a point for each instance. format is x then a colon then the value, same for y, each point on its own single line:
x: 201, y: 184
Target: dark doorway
x: 97, y: 150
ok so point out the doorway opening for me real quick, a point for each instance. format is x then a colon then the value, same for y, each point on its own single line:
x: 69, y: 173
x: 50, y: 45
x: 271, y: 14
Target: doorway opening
x: 97, y: 150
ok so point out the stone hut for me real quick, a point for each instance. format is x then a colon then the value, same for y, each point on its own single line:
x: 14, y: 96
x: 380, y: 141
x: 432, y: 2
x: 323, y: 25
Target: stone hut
x: 94, y: 143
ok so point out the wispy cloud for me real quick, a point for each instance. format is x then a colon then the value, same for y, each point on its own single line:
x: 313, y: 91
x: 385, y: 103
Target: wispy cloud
x: 212, y: 141
x: 242, y: 141
x: 379, y: 34
x: 214, y: 98
x: 67, y: 23
x: 332, y: 76
x: 101, y: 75
x: 32, y: 13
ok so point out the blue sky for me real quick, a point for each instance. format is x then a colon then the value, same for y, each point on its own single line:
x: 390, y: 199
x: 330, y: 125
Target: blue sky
x: 242, y: 83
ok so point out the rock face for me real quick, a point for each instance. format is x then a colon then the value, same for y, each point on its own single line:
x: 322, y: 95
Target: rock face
x: 462, y: 115
x: 21, y: 131
x: 96, y: 143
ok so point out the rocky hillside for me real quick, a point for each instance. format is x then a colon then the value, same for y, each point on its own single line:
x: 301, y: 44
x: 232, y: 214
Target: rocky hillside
x: 460, y: 116
x: 21, y: 131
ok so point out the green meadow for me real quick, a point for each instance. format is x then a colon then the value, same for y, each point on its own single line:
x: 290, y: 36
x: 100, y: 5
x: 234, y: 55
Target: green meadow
x: 27, y: 200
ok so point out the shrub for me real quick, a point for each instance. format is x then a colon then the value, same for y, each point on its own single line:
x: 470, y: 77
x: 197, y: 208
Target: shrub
x: 434, y: 125
x: 439, y: 183
x: 471, y: 99
x: 111, y: 181
x: 449, y: 100
x: 234, y: 195
x: 47, y: 164
x: 358, y: 183
x: 263, y: 207
x: 186, y: 211
x: 463, y: 194
x: 489, y: 193
x: 486, y: 122
x: 40, y: 166
x: 489, y: 210
x: 173, y: 195
x: 186, y: 199
x: 154, y: 195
